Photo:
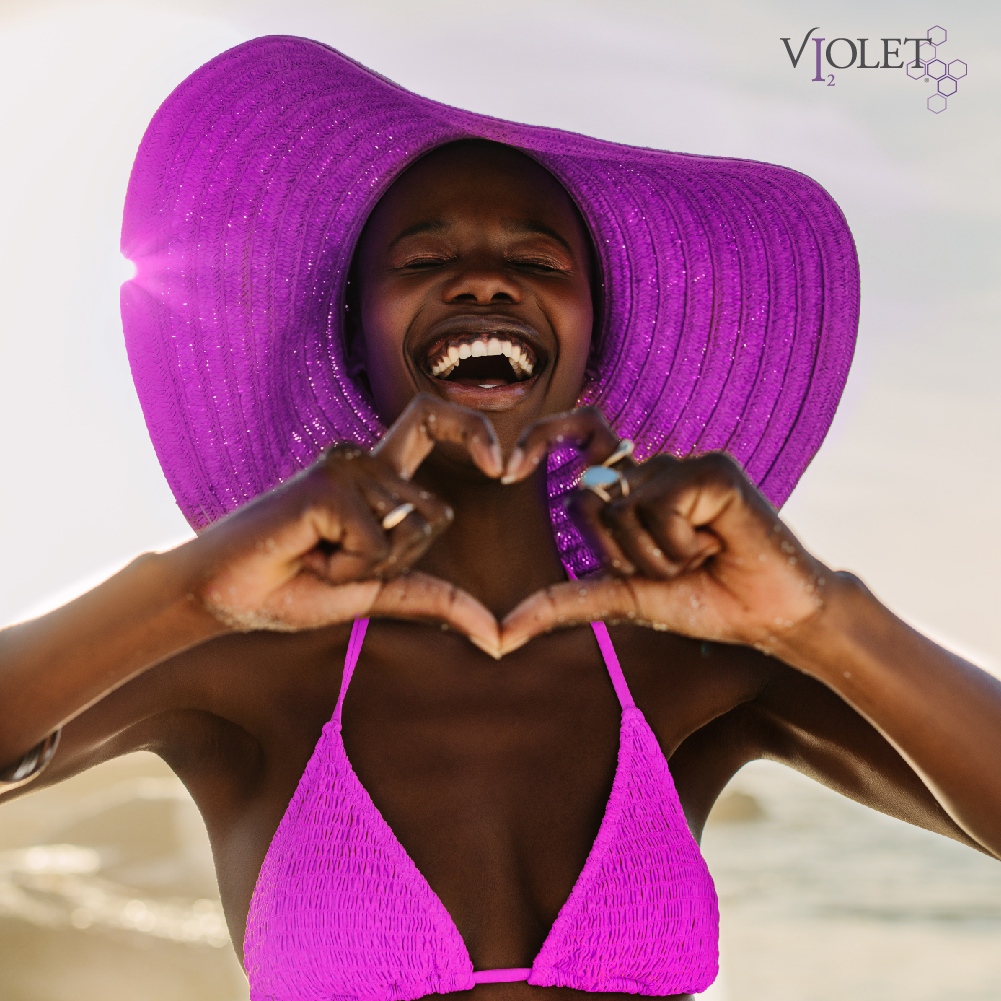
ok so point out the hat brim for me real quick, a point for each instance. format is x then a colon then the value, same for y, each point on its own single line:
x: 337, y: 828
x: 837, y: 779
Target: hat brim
x: 731, y: 287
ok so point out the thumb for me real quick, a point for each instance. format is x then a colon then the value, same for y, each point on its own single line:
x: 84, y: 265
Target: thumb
x: 423, y: 597
x: 571, y: 603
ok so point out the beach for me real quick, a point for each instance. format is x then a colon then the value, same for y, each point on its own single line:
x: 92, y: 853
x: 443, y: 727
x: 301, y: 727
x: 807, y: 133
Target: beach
x: 107, y: 890
x: 107, y: 893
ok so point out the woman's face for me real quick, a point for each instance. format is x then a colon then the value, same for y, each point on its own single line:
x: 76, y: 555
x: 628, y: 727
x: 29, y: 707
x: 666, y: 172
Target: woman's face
x: 474, y: 285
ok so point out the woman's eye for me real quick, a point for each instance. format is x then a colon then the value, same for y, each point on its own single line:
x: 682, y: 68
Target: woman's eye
x: 539, y: 264
x: 426, y: 262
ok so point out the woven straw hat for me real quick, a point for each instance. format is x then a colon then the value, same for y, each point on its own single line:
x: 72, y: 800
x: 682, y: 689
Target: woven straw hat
x: 730, y: 287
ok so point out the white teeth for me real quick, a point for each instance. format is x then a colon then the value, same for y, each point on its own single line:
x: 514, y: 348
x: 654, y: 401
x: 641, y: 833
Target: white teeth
x: 521, y: 364
x: 447, y: 358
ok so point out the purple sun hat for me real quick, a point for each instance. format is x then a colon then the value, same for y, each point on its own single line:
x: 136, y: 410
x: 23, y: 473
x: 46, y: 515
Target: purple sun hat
x: 731, y: 288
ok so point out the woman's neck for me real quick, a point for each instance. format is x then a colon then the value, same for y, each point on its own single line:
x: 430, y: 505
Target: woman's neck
x: 500, y: 547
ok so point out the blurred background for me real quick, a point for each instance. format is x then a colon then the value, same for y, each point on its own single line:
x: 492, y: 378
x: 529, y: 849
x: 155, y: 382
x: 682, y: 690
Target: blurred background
x: 106, y: 884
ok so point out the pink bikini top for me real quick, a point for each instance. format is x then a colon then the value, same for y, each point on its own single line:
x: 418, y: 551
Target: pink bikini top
x: 341, y: 913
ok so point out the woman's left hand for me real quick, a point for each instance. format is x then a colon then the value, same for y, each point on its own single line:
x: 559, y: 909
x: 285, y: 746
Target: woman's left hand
x: 689, y: 546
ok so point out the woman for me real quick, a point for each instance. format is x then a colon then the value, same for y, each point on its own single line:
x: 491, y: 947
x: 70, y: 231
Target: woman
x: 496, y: 819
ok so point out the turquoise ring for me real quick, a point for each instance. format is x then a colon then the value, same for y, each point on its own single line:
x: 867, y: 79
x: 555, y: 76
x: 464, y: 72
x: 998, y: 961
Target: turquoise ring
x: 598, y: 479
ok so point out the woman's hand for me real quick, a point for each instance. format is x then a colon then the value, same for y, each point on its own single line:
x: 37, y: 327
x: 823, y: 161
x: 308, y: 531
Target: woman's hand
x: 314, y: 551
x: 692, y: 547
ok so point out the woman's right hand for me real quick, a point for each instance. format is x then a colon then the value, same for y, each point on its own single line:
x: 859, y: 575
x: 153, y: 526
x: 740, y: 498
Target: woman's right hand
x: 313, y: 551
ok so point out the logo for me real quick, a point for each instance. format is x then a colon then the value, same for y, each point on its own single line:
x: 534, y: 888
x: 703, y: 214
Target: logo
x: 921, y: 58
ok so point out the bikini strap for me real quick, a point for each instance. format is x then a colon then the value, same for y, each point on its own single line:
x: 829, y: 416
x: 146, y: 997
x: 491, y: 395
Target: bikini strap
x: 610, y: 657
x: 612, y: 665
x: 350, y: 660
x: 608, y: 654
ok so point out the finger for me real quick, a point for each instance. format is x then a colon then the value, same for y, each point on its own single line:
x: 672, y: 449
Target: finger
x: 419, y: 596
x: 410, y: 536
x: 307, y: 602
x: 350, y: 542
x: 676, y: 605
x: 683, y: 544
x: 409, y: 541
x: 428, y: 421
x: 677, y: 502
x: 584, y: 508
x: 585, y: 429
x: 636, y: 542
x: 384, y: 495
x: 569, y: 604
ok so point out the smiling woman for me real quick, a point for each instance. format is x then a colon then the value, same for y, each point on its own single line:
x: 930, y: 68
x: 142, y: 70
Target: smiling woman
x: 368, y: 461
x: 474, y: 271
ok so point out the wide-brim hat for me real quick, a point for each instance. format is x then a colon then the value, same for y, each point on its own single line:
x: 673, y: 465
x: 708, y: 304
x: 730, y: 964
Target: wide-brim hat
x: 730, y: 287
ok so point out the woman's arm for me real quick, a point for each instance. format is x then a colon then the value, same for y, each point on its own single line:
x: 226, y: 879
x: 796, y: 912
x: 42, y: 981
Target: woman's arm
x: 55, y: 667
x: 694, y: 548
x: 310, y: 553
x: 941, y: 713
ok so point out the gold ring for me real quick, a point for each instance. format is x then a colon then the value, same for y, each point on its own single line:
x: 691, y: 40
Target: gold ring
x: 394, y: 517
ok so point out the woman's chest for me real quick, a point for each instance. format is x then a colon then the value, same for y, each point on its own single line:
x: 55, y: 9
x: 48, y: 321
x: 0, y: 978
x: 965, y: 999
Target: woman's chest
x: 493, y: 777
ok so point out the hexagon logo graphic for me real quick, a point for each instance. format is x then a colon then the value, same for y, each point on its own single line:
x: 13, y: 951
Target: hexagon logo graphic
x: 926, y: 51
x: 957, y: 69
x: 947, y: 86
x: 937, y: 103
x: 937, y: 34
x: 936, y: 69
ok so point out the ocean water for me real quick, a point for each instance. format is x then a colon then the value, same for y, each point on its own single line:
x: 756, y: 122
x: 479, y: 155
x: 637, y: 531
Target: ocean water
x: 825, y: 900
x: 107, y: 894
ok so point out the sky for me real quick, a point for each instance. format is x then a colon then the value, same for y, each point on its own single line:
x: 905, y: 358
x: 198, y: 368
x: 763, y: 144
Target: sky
x: 904, y: 491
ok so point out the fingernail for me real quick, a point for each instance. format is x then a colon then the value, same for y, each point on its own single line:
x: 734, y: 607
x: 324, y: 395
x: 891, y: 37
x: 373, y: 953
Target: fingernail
x: 514, y: 465
x: 498, y: 457
x: 510, y: 645
x: 490, y: 649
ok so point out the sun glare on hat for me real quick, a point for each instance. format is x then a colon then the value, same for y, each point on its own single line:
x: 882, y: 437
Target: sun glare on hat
x: 126, y: 269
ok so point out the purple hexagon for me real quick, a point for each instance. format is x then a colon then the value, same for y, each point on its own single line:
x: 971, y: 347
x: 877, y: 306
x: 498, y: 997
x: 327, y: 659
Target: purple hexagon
x: 937, y: 103
x: 926, y: 52
x: 947, y: 86
x: 937, y: 34
x: 957, y: 69
x: 936, y: 69
x: 915, y: 72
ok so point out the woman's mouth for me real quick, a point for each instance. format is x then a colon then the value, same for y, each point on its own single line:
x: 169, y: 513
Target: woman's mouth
x: 482, y: 360
x: 483, y: 364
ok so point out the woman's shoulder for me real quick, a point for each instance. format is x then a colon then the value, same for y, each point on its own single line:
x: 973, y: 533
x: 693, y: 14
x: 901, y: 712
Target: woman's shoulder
x: 226, y: 700
x: 665, y: 666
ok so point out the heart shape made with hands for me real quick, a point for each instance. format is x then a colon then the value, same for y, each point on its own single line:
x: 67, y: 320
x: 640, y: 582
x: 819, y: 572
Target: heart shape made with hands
x: 687, y: 545
x: 690, y: 546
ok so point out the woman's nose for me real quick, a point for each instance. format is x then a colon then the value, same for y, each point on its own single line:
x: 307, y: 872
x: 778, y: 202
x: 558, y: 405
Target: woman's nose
x: 482, y: 285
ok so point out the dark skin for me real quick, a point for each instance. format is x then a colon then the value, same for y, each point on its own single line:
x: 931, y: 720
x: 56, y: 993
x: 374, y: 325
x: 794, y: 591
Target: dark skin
x: 490, y: 747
